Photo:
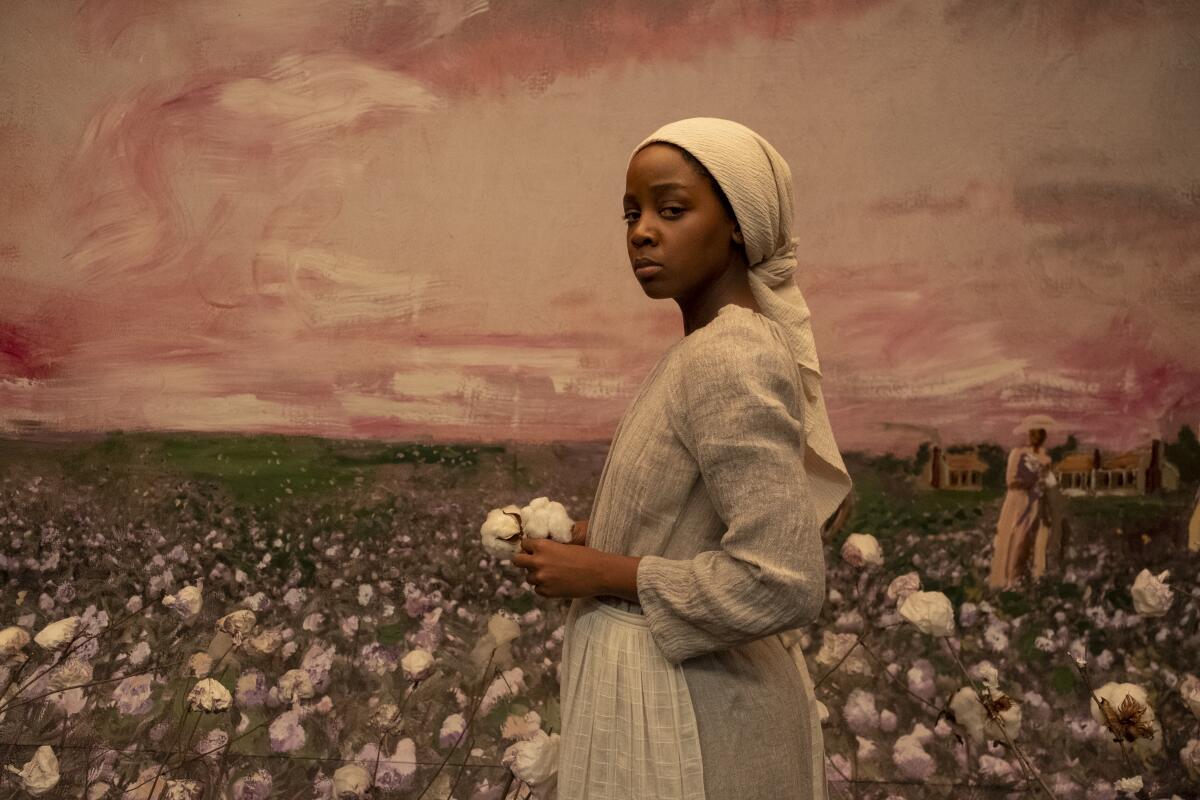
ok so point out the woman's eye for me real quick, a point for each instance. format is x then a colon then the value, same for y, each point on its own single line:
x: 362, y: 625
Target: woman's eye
x: 626, y: 216
x: 672, y: 210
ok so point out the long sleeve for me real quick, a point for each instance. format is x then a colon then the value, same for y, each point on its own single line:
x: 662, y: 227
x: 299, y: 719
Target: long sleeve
x: 737, y: 412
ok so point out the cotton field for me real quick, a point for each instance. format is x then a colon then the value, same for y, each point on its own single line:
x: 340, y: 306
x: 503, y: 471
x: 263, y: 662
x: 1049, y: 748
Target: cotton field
x: 274, y: 618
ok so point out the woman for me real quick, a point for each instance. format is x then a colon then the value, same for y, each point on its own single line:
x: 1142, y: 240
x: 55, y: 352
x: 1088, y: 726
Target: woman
x: 1027, y: 521
x: 704, y: 541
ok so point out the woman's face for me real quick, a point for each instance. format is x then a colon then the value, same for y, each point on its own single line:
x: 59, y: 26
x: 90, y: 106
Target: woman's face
x: 673, y: 217
x: 1037, y: 437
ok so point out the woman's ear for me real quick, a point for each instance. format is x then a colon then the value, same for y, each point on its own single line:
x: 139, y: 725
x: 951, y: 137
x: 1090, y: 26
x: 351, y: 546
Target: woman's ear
x: 737, y: 235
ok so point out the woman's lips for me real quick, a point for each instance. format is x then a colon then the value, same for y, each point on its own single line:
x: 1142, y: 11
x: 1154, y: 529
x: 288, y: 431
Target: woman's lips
x: 647, y: 271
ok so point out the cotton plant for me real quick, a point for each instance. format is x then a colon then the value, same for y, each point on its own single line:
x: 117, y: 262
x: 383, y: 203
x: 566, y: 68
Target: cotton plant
x: 186, y: 603
x: 57, y: 635
x: 542, y: 518
x: 929, y: 612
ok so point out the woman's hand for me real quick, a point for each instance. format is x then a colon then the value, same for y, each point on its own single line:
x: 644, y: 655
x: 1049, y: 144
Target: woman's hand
x: 561, y: 570
x: 579, y: 532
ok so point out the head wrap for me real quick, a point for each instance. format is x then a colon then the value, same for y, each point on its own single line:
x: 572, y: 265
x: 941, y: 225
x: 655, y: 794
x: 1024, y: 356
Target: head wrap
x: 758, y: 183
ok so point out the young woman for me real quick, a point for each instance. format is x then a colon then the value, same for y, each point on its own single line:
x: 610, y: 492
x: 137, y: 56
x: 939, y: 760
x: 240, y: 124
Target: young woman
x: 1028, y: 523
x: 704, y: 544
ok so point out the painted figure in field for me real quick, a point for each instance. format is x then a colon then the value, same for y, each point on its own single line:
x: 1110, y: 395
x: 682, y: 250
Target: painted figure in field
x: 1029, y: 534
x: 1193, y: 542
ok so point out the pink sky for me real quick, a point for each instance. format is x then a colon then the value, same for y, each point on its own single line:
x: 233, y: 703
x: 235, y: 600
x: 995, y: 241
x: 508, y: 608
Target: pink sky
x: 401, y: 221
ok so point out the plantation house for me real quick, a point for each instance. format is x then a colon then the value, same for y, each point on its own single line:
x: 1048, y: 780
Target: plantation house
x: 958, y: 471
x: 1135, y: 472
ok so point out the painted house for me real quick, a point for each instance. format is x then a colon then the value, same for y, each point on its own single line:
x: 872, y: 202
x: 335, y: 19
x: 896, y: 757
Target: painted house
x: 1135, y: 472
x: 957, y: 471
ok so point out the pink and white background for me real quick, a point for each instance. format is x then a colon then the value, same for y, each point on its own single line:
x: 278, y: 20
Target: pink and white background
x: 377, y: 218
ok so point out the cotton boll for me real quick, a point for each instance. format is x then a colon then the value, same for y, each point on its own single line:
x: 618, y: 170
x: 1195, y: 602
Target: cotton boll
x: 501, y: 531
x: 417, y: 664
x: 921, y: 679
x: 929, y: 612
x: 238, y: 624
x: 57, y: 635
x: 534, y: 761
x: 1138, y: 719
x: 1131, y: 785
x: 187, y: 603
x: 902, y: 586
x: 887, y: 721
x: 351, y: 781
x: 972, y: 716
x: 823, y: 712
x: 12, y: 641
x: 862, y: 549
x: 1151, y: 595
x: 452, y: 730
x: 911, y: 759
x: 544, y: 518
x: 860, y: 713
x: 296, y: 683
x: 503, y: 629
x: 285, y: 733
x: 209, y: 696
x: 40, y: 774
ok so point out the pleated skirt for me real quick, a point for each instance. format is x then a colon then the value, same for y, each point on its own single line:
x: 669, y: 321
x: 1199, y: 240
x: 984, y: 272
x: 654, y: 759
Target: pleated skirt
x: 628, y: 727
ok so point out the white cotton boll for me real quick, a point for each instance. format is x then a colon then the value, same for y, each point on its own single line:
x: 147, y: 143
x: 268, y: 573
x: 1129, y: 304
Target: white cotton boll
x: 209, y: 696
x: 365, y: 592
x: 1128, y: 694
x: 501, y: 531
x: 902, y: 586
x: 264, y: 643
x: 238, y: 624
x: 862, y: 549
x: 544, y: 518
x: 187, y: 603
x: 12, y: 641
x: 973, y: 717
x: 867, y: 751
x: 506, y: 683
x: 887, y: 721
x: 351, y: 781
x: 452, y: 730
x: 1131, y: 785
x: 968, y: 614
x: 929, y: 612
x: 257, y: 601
x: 823, y: 712
x: 296, y: 683
x: 921, y: 733
x: 995, y: 637
x: 535, y: 761
x: 1189, y: 690
x: 417, y: 664
x: 503, y: 629
x: 56, y: 635
x: 911, y: 759
x: 40, y: 774
x: 860, y: 713
x: 836, y: 645
x: 1151, y: 595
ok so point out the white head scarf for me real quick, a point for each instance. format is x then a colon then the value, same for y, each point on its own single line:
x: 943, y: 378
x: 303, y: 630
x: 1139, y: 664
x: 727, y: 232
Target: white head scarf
x: 758, y: 183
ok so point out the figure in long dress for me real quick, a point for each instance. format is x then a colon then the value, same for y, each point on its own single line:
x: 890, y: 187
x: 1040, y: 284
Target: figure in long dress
x: 1194, y: 524
x: 1027, y: 526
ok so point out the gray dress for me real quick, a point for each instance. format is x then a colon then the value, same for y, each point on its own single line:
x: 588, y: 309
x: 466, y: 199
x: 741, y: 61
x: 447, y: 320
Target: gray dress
x: 705, y: 480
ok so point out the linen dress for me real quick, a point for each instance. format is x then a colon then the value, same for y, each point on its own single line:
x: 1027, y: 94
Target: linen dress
x: 1024, y: 520
x: 705, y: 480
